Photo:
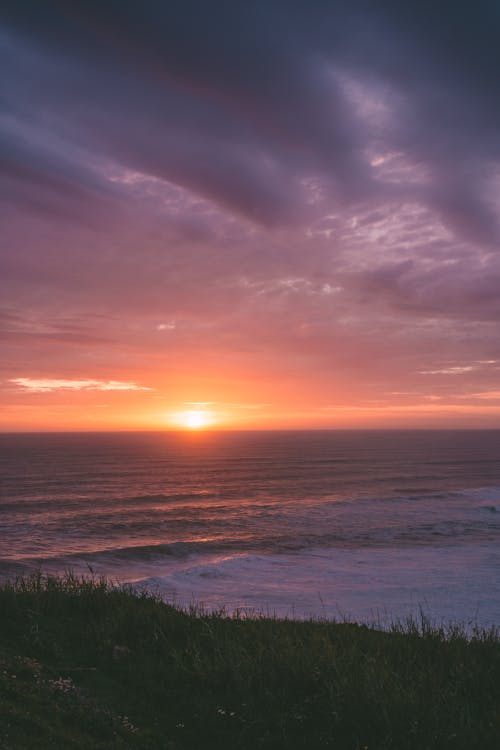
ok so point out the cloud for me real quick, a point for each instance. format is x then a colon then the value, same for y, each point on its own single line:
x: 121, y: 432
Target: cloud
x: 458, y: 370
x: 487, y: 395
x: 240, y: 104
x: 287, y: 190
x: 46, y: 385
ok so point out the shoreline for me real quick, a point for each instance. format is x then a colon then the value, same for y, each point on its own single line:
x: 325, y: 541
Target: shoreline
x: 374, y: 586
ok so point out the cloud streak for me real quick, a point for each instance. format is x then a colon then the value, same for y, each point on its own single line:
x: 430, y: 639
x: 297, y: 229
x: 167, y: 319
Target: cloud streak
x: 47, y: 385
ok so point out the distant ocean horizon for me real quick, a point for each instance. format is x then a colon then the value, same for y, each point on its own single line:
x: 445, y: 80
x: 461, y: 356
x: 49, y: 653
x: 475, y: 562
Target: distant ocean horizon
x: 367, y: 525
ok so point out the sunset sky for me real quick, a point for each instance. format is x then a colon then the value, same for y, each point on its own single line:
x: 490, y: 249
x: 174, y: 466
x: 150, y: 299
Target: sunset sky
x: 265, y: 214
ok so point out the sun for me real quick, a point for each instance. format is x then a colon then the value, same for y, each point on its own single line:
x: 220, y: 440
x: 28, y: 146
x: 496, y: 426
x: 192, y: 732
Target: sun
x: 193, y: 419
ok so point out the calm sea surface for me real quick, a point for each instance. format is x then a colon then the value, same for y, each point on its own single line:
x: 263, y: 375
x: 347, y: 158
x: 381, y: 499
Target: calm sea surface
x: 365, y: 525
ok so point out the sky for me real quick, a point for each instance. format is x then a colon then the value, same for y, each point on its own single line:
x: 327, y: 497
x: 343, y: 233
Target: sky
x: 266, y: 214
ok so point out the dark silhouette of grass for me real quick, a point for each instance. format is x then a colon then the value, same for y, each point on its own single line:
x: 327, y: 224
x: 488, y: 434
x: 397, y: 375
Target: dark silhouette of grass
x: 87, y: 665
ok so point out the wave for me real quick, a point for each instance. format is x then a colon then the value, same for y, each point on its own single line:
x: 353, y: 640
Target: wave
x: 140, y: 553
x: 119, y: 538
x: 485, y: 493
x: 444, y: 532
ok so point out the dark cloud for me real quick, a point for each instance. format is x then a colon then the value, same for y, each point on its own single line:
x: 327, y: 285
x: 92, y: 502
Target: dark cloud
x: 238, y: 102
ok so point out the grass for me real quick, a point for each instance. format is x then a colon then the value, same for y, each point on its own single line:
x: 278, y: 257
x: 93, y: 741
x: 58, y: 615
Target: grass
x: 87, y: 665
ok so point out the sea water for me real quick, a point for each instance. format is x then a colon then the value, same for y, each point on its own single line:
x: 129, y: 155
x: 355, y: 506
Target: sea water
x: 369, y: 526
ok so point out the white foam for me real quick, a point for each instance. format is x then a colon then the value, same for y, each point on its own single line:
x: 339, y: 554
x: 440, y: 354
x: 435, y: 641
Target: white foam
x: 483, y: 494
x: 459, y: 584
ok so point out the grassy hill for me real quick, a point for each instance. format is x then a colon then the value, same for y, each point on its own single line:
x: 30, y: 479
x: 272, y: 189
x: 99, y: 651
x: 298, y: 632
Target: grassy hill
x: 86, y: 665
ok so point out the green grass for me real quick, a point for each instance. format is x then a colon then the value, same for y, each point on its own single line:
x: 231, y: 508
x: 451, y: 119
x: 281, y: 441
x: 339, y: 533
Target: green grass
x: 86, y: 665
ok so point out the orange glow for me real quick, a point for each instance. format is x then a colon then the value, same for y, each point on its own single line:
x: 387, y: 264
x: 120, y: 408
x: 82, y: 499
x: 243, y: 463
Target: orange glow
x: 193, y: 419
x: 202, y: 395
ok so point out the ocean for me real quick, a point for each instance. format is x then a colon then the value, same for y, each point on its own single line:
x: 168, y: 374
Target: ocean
x: 369, y: 526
